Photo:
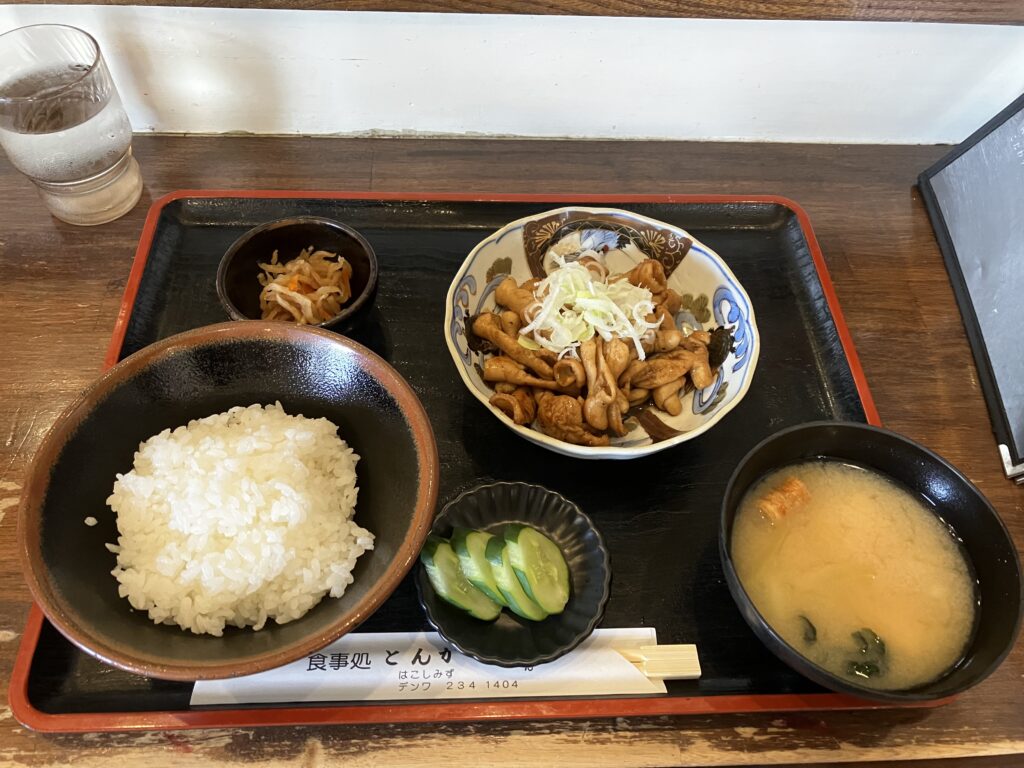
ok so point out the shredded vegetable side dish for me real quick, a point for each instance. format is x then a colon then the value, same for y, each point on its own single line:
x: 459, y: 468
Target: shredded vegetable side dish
x: 311, y: 288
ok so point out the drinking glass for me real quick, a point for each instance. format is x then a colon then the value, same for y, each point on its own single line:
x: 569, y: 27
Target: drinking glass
x: 62, y: 123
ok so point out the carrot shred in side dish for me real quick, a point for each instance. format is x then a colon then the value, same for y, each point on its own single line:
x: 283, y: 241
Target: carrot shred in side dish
x: 310, y: 288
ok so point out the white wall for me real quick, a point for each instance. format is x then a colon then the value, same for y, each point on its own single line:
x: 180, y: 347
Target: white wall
x: 320, y: 72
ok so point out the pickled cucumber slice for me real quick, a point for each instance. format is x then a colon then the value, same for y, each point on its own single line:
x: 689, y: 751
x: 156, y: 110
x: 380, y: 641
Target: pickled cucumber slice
x: 451, y: 584
x: 539, y: 566
x: 511, y: 589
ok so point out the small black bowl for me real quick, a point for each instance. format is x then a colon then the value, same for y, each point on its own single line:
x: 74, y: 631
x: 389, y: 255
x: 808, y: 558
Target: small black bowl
x: 961, y: 505
x: 238, y: 286
x: 511, y: 641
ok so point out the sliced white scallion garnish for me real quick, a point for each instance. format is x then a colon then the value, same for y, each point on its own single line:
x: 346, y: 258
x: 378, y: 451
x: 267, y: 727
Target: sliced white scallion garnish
x: 573, y: 303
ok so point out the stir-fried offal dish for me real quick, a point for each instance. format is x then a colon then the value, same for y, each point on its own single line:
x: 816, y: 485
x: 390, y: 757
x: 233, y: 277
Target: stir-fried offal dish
x: 601, y: 333
x: 574, y: 352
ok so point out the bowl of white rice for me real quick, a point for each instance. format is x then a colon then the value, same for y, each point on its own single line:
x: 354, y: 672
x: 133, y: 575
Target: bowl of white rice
x: 228, y: 500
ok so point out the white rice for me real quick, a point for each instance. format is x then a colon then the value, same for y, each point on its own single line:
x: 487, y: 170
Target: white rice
x: 237, y: 518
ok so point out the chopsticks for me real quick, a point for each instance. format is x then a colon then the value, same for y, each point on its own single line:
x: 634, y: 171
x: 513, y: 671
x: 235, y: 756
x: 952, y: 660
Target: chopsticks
x: 665, y: 662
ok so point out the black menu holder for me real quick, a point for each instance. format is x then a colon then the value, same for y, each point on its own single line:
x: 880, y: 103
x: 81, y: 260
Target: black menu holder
x: 975, y: 199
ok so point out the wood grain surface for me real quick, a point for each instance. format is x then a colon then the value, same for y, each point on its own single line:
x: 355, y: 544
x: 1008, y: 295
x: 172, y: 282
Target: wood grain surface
x: 958, y: 11
x: 61, y: 289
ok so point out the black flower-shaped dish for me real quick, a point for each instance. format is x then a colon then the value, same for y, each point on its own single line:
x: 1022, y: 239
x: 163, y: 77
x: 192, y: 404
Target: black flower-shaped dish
x: 511, y: 641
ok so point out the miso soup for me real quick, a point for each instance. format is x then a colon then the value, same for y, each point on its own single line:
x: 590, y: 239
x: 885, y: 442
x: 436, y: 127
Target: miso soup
x: 855, y: 573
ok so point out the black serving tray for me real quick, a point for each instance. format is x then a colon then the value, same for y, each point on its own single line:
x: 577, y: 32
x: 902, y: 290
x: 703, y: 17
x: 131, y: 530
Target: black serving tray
x: 658, y: 515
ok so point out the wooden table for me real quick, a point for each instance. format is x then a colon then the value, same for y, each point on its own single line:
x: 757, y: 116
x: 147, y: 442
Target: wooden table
x: 61, y: 287
x: 942, y: 11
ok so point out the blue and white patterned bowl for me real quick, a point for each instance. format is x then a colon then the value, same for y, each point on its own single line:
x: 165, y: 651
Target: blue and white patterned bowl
x: 712, y: 296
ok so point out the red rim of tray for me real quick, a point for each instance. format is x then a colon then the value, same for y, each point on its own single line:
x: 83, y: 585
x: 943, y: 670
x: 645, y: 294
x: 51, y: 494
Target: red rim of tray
x: 419, y: 712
